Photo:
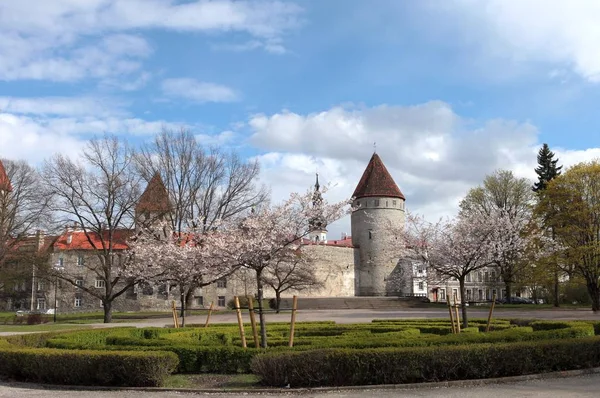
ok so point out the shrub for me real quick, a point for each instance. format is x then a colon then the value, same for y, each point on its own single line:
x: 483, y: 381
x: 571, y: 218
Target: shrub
x: 340, y: 367
x: 103, y: 368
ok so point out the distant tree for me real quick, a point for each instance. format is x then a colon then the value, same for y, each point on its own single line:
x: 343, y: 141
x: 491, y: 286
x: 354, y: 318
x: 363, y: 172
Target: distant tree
x: 99, y: 193
x: 506, y: 196
x: 570, y: 206
x: 24, y: 206
x: 546, y: 171
x: 290, y: 270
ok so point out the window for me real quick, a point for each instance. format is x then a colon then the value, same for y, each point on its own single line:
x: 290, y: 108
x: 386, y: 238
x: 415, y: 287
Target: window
x: 41, y: 285
x: 41, y: 304
x: 479, y: 277
x: 80, y: 260
x: 221, y: 301
x: 468, y: 278
x: 100, y: 283
x: 199, y: 300
x: 79, y: 282
x: 421, y: 286
x: 394, y: 203
x: 455, y: 294
x: 222, y: 283
x: 78, y: 301
x: 386, y: 203
x: 376, y: 202
x: 468, y: 294
x: 370, y: 234
x: 61, y: 261
x: 493, y: 276
x: 442, y: 294
x: 487, y: 276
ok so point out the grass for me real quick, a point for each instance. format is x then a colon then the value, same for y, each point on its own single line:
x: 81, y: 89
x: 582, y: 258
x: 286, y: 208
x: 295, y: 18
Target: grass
x: 217, y: 381
x: 46, y: 327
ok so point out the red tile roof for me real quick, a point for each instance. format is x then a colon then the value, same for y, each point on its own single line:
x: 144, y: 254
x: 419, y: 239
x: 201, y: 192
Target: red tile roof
x: 155, y: 198
x: 377, y: 181
x: 5, y: 184
x: 345, y: 242
x: 79, y: 240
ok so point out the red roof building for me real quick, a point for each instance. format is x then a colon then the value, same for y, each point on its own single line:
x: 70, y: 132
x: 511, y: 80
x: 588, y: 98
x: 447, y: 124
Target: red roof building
x: 79, y: 240
x: 5, y: 184
x: 377, y: 181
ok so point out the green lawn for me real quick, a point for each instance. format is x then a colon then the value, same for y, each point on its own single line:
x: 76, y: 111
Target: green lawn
x: 220, y: 381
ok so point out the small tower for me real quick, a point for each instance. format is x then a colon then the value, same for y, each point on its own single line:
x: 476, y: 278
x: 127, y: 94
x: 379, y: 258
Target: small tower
x: 379, y: 206
x: 153, y: 209
x: 318, y: 224
x: 5, y: 185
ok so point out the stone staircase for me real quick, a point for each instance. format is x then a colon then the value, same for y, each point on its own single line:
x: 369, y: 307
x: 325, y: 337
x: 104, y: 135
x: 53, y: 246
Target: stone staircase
x: 354, y: 303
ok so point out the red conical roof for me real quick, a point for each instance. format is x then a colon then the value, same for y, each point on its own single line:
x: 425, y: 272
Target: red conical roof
x: 377, y: 181
x: 5, y: 184
x: 155, y: 198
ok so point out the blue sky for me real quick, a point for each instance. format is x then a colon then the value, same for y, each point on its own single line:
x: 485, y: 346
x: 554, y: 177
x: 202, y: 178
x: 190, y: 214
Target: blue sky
x: 450, y: 90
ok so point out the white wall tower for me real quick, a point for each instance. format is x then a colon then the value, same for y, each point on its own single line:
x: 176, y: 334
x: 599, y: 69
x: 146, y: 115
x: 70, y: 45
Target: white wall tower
x: 379, y: 206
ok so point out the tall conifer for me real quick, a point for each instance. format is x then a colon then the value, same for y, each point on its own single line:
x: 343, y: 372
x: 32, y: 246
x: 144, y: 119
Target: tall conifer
x: 547, y: 168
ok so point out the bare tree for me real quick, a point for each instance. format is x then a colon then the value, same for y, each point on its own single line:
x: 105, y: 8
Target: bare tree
x: 24, y: 208
x: 290, y: 270
x: 99, y: 193
x: 206, y: 186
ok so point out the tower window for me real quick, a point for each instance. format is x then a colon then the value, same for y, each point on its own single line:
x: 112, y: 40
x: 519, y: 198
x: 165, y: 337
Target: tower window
x: 370, y: 234
x: 386, y: 203
x: 376, y: 202
x: 394, y: 203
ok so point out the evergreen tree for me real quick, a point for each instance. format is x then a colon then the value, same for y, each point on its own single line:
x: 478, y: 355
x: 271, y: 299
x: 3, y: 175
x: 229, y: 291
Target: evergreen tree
x: 547, y: 169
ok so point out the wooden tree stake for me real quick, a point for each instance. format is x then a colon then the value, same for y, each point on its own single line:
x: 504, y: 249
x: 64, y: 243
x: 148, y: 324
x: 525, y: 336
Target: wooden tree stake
x: 174, y: 310
x: 451, y: 315
x: 253, y: 321
x: 487, y: 328
x: 240, y: 322
x: 293, y: 322
x: 457, y: 314
x: 210, y: 310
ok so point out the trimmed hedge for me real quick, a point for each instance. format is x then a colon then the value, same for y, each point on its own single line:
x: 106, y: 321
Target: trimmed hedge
x: 101, y: 368
x: 343, y: 367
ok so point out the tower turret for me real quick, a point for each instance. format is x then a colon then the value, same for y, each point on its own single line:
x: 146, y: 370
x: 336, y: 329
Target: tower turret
x: 153, y: 209
x: 318, y: 224
x: 379, y: 207
x: 5, y: 185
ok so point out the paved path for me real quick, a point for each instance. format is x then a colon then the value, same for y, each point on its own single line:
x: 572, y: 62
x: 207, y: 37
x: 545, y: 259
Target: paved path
x: 353, y: 316
x: 583, y: 386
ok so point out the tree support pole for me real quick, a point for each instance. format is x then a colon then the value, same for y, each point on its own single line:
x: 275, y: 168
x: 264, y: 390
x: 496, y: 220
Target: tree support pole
x: 293, y: 322
x: 240, y: 321
x: 253, y: 321
x: 175, y: 320
x: 487, y: 328
x: 210, y: 310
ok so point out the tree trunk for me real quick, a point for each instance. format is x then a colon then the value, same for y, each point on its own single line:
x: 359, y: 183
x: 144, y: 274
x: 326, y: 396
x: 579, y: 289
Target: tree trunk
x: 594, y: 292
x: 556, y: 292
x: 107, y: 305
x: 277, y: 301
x: 182, y: 299
x: 463, y: 302
x: 508, y: 292
x: 261, y: 313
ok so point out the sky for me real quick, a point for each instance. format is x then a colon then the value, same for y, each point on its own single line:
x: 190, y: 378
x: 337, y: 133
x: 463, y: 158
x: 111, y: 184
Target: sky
x: 449, y: 91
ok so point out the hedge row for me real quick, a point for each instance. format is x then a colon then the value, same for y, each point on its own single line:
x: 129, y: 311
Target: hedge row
x: 103, y: 368
x: 342, y: 367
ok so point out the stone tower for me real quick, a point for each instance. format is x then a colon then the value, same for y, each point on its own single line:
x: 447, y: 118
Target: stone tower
x: 318, y: 224
x: 153, y: 209
x: 5, y: 185
x: 379, y: 205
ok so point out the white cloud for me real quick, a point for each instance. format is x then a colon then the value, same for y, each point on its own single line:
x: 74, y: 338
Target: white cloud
x: 434, y: 154
x: 533, y: 31
x: 58, y: 40
x: 61, y: 106
x: 197, y: 91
